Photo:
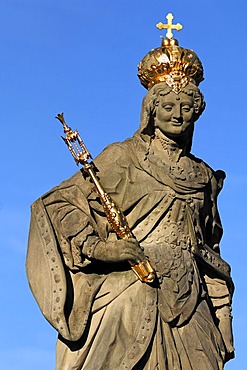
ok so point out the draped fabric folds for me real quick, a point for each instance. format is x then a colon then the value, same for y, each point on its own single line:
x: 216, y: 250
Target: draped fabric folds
x: 106, y: 318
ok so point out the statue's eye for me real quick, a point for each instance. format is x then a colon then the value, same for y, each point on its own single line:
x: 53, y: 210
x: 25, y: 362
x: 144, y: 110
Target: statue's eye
x: 186, y: 108
x: 167, y: 108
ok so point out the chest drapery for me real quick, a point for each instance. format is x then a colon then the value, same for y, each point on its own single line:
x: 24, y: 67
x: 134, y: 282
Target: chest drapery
x: 149, y: 198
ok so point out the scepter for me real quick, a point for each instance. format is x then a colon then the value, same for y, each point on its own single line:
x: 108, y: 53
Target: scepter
x: 114, y: 215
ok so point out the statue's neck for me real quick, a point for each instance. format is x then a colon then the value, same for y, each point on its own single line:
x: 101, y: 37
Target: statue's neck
x: 173, y: 149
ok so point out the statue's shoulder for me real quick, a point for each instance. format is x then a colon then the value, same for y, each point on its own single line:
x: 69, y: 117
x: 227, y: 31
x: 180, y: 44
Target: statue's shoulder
x: 216, y: 177
x: 121, y: 147
x: 118, y: 153
x: 76, y: 180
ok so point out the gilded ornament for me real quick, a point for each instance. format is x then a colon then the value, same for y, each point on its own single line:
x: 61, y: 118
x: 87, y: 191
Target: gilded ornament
x: 170, y: 63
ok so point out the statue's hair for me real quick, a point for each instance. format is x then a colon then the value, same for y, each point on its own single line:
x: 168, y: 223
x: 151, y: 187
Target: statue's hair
x: 199, y: 102
x: 151, y: 100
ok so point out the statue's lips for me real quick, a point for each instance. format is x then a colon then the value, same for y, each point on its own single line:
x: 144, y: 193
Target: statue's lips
x: 176, y: 123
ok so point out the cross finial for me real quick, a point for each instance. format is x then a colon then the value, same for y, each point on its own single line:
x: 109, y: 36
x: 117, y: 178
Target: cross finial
x: 169, y: 26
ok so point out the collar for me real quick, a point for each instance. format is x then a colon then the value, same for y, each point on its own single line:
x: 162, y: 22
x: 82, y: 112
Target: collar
x: 169, y: 147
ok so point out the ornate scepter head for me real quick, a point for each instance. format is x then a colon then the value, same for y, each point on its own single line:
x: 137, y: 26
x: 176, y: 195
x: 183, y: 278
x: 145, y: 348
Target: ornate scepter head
x: 75, y: 143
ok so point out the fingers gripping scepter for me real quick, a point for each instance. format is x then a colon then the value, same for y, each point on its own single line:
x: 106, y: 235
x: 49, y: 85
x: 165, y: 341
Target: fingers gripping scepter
x: 115, y: 216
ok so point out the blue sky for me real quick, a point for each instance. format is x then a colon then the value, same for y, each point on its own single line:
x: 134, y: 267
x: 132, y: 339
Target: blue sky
x: 81, y: 57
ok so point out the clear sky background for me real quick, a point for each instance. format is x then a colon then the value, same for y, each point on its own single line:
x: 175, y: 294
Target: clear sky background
x: 80, y: 57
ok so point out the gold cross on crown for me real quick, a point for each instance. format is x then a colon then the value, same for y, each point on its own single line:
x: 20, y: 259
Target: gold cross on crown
x: 169, y: 26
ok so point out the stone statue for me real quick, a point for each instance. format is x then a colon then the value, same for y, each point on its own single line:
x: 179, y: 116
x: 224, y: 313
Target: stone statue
x: 78, y: 267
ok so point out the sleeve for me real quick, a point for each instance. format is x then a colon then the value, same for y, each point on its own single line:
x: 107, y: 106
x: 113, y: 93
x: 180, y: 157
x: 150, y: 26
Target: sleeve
x: 219, y: 290
x: 76, y: 212
x: 217, y: 230
x: 62, y: 290
x: 63, y: 220
x: 213, y: 226
x: 70, y: 222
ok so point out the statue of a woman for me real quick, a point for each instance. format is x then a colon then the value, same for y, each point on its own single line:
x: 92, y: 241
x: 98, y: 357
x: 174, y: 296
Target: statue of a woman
x: 78, y: 271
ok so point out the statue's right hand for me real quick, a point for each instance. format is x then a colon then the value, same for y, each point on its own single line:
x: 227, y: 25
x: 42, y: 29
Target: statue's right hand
x: 118, y: 251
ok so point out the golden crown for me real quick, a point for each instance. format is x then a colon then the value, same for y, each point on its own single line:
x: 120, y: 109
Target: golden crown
x: 170, y: 63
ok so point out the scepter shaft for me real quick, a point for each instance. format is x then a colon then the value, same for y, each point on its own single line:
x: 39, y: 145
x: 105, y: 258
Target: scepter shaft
x: 115, y: 216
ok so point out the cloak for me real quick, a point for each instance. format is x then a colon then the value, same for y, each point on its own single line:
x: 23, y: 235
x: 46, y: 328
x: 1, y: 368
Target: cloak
x: 71, y: 289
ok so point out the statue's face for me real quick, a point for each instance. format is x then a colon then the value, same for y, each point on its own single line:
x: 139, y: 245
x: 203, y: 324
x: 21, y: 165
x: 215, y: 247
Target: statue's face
x: 174, y: 114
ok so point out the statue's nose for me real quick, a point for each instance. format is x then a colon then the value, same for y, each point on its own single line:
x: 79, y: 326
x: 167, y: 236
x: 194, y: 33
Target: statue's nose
x: 176, y: 112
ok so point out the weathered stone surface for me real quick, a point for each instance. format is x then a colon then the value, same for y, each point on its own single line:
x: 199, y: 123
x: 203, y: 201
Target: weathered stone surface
x: 107, y: 318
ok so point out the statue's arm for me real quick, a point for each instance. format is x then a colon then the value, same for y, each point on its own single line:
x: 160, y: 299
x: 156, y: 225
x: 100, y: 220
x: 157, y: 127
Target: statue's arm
x: 217, y: 230
x: 46, y: 270
x: 78, y: 218
x: 82, y: 235
x: 68, y: 231
x: 217, y: 288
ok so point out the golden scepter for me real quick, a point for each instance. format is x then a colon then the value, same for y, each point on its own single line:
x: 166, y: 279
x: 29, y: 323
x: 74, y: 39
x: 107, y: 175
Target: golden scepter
x: 115, y: 216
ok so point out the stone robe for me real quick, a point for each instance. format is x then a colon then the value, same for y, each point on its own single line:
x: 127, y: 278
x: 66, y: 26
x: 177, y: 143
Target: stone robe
x: 106, y: 318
